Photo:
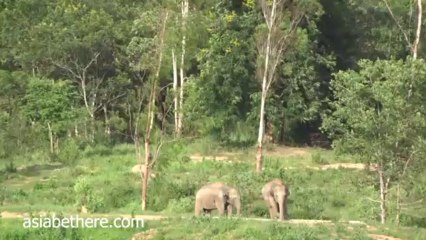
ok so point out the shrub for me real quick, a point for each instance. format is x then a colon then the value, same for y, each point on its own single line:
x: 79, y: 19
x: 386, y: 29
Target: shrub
x: 10, y: 167
x: 120, y: 194
x: 69, y: 153
x: 85, y: 196
x: 316, y: 157
x: 181, y: 205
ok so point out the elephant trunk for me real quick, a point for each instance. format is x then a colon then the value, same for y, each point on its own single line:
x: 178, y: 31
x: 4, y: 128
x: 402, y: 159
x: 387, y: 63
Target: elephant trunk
x: 282, y: 207
x: 281, y: 204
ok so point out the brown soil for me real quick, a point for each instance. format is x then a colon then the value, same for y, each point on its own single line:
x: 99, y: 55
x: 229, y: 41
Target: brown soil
x: 150, y: 234
x: 276, y: 151
x: 200, y: 158
x: 382, y: 237
x: 288, y: 151
x: 356, y: 166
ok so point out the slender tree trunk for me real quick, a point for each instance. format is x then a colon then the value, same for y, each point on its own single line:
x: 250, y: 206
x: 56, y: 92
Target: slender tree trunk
x: 259, y: 152
x: 419, y: 27
x: 140, y: 161
x: 56, y: 143
x: 52, y: 148
x: 89, y: 109
x: 145, y: 172
x: 107, y: 127
x: 261, y: 133
x: 175, y: 92
x: 398, y: 203
x: 383, y: 194
x: 76, y: 133
x: 151, y: 108
x: 85, y: 130
x: 185, y: 9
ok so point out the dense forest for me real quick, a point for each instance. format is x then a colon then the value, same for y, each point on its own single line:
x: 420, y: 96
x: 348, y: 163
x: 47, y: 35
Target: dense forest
x: 344, y: 75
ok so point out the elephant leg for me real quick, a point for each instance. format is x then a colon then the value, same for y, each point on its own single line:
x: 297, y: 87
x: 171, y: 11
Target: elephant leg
x: 198, y: 207
x: 220, y: 207
x: 285, y: 210
x: 229, y: 210
x: 207, y: 211
x: 272, y: 208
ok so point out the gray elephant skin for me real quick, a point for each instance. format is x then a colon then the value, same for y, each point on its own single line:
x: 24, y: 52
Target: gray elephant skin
x: 275, y: 194
x: 234, y: 197
x: 217, y: 196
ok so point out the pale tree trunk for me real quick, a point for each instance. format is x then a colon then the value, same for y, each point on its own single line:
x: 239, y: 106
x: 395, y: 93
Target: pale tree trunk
x: 414, y: 46
x: 76, y: 133
x: 145, y: 174
x: 52, y: 148
x: 261, y: 133
x: 419, y: 27
x: 150, y: 123
x: 398, y: 203
x: 185, y: 10
x: 277, y: 42
x: 89, y: 110
x: 107, y: 126
x: 259, y: 152
x: 56, y: 146
x: 85, y: 129
x: 78, y: 74
x: 384, y: 183
x: 175, y: 91
x: 398, y: 189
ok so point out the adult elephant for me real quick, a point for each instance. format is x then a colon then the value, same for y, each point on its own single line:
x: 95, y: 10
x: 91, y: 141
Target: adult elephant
x: 275, y: 194
x: 234, y: 197
x: 210, y: 198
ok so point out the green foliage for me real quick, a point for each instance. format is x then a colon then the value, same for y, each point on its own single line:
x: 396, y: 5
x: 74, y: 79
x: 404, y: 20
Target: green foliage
x: 378, y: 116
x: 70, y: 152
x: 318, y: 158
x: 80, y: 68
x: 182, y: 205
x: 221, y: 94
x: 85, y: 196
x: 49, y: 102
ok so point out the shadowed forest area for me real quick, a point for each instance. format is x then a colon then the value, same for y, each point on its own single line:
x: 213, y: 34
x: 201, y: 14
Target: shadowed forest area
x: 125, y: 107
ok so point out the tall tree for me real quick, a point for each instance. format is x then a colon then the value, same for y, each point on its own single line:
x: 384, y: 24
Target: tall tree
x: 271, y: 51
x: 219, y: 100
x: 148, y: 51
x: 185, y: 10
x: 375, y: 119
x: 406, y: 31
x: 52, y: 105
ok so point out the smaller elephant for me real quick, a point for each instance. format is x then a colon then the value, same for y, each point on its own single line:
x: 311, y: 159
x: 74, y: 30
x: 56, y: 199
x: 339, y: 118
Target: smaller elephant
x: 234, y: 197
x: 210, y: 198
x: 275, y: 194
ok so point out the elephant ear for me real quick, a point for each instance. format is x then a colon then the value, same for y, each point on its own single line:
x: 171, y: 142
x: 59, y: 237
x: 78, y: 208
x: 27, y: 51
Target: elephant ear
x: 223, y: 194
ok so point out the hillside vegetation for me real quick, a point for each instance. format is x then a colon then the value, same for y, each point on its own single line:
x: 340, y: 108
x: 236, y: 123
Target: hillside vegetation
x: 129, y: 107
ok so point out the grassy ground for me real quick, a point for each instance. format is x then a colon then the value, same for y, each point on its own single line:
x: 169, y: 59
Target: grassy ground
x: 209, y: 228
x: 102, y: 176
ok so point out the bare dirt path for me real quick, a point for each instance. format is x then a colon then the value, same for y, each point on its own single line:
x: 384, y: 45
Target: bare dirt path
x: 281, y: 151
x: 382, y: 237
